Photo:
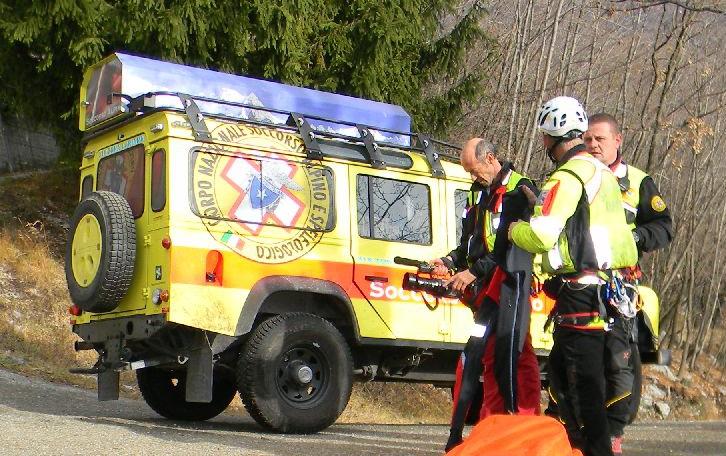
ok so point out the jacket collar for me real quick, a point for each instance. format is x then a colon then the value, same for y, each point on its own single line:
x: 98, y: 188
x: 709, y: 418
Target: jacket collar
x: 571, y: 153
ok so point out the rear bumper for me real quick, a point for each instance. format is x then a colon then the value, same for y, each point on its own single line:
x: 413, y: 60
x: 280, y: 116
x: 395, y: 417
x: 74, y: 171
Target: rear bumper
x: 127, y: 328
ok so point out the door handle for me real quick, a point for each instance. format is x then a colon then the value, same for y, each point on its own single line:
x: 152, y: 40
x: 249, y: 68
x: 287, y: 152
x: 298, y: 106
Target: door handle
x: 376, y: 279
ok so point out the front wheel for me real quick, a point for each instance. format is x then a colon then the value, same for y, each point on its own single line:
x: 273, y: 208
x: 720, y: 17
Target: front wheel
x: 295, y: 373
x: 165, y: 392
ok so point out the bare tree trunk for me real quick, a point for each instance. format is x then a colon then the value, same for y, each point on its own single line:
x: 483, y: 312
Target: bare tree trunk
x: 590, y: 67
x: 520, y: 55
x: 550, y: 52
x: 670, y: 74
x: 623, y: 95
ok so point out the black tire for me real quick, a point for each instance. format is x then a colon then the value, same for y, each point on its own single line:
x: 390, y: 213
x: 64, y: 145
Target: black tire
x: 165, y: 389
x: 118, y: 252
x: 637, y: 382
x: 295, y: 373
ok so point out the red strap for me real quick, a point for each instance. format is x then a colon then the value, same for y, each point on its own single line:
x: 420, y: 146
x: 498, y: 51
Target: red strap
x: 549, y: 199
x: 582, y: 314
x: 494, y: 287
x: 497, y: 198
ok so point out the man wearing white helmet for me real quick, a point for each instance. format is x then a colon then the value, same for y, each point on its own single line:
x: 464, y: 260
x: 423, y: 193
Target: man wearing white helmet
x: 579, y: 228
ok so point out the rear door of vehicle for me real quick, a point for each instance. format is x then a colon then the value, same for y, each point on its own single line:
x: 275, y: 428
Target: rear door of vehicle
x: 122, y: 169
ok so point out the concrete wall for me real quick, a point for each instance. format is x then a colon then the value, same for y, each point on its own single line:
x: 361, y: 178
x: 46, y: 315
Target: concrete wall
x: 23, y: 147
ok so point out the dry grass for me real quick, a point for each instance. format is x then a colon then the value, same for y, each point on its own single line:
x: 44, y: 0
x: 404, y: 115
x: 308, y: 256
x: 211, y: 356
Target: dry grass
x: 35, y: 335
x: 698, y: 395
x: 398, y: 403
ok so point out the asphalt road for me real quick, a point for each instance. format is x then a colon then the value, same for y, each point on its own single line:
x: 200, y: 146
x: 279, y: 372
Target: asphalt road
x: 42, y: 418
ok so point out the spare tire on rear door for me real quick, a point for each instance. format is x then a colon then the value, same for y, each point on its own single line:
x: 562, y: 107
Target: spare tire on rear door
x: 100, y: 252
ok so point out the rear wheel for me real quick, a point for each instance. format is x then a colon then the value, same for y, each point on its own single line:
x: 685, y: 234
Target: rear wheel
x: 295, y: 373
x: 165, y: 389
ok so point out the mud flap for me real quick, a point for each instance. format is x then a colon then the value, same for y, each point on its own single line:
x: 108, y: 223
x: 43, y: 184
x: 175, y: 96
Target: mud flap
x: 200, y: 368
x: 108, y: 378
x: 108, y: 384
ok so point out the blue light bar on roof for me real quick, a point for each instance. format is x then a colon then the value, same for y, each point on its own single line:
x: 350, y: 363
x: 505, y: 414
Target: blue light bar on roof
x: 134, y: 76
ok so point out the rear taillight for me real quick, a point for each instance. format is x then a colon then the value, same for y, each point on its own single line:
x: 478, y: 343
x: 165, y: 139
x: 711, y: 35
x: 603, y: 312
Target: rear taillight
x: 158, y: 296
x: 213, y: 273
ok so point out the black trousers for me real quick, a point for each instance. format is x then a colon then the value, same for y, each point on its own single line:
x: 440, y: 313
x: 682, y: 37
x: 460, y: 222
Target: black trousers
x: 577, y: 369
x: 619, y: 374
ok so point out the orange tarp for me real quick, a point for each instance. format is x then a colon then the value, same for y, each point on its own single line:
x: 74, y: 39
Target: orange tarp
x: 516, y: 435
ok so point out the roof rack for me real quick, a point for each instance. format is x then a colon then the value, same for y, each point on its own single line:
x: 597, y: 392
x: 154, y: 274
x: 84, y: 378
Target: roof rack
x: 373, y: 138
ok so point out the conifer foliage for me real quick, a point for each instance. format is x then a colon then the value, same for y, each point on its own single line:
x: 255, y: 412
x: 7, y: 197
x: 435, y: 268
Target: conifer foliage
x: 395, y: 50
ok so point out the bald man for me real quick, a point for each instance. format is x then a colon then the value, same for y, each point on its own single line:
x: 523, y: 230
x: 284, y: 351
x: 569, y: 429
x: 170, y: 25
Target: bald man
x: 476, y: 258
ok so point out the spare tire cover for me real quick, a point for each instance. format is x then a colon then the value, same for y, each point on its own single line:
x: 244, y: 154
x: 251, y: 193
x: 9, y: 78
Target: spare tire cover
x: 101, y: 252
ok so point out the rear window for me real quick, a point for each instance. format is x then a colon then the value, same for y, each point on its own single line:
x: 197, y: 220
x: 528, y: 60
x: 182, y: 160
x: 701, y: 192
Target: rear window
x: 158, y: 180
x: 123, y: 173
x: 87, y: 186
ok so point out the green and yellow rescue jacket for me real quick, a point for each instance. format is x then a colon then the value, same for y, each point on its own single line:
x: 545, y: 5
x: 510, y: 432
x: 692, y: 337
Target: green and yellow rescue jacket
x: 578, y: 223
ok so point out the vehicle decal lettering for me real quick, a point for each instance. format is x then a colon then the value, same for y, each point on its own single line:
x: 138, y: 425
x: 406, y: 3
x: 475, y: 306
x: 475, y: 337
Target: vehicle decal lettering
x: 261, y: 204
x: 120, y: 147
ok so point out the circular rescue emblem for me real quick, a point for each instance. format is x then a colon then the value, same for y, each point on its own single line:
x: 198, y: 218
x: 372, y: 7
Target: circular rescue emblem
x: 657, y: 203
x: 267, y: 206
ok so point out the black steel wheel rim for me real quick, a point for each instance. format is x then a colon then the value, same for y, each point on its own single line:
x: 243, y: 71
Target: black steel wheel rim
x: 302, y: 375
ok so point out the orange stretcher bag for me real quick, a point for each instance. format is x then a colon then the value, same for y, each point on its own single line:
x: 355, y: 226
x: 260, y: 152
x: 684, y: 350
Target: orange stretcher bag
x: 516, y: 435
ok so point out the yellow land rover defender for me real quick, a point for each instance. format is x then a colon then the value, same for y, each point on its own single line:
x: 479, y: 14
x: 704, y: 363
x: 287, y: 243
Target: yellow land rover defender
x: 236, y: 234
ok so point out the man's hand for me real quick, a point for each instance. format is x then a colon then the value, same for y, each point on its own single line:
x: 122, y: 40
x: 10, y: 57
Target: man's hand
x: 440, y: 268
x: 461, y: 280
x: 531, y: 197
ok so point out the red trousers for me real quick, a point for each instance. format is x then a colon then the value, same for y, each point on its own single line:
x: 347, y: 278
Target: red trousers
x: 528, y: 382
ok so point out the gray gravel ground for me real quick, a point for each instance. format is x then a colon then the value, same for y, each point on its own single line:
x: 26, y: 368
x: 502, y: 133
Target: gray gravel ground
x: 41, y: 418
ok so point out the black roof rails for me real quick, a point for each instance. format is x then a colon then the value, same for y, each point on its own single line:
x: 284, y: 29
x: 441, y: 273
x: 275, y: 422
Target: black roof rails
x: 419, y: 143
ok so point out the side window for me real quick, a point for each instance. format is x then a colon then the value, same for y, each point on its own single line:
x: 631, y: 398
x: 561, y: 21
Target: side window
x: 123, y: 173
x: 86, y: 186
x: 393, y: 210
x: 460, y: 197
x: 158, y: 180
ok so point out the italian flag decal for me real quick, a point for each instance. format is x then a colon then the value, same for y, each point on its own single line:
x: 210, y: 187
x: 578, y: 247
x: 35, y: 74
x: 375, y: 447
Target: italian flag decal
x: 232, y: 240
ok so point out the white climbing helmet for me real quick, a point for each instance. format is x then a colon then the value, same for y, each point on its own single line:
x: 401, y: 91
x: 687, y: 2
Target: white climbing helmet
x: 562, y: 117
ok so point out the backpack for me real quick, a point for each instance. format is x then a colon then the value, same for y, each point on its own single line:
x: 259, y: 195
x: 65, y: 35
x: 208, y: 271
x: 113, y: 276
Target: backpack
x: 516, y: 435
